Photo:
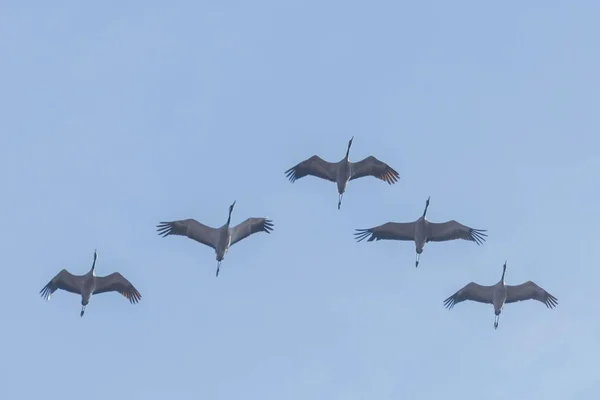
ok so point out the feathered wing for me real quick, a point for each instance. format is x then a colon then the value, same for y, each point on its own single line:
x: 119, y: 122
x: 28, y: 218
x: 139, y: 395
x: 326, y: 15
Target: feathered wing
x: 529, y: 291
x: 63, y: 280
x: 388, y: 231
x: 250, y: 226
x: 450, y: 230
x: 192, y: 229
x: 371, y: 166
x: 314, y: 166
x: 473, y: 292
x: 116, y: 282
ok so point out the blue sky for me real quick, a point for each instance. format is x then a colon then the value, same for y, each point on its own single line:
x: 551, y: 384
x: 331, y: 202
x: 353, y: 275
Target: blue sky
x: 117, y: 116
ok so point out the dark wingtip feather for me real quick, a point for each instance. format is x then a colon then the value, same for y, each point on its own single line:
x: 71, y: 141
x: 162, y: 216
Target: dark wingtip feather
x: 268, y: 225
x: 362, y: 234
x: 449, y: 302
x: 136, y: 297
x: 478, y: 235
x: 45, y: 291
x: 391, y: 176
x: 132, y: 295
x: 291, y: 174
x: 164, y: 228
x: 551, y: 301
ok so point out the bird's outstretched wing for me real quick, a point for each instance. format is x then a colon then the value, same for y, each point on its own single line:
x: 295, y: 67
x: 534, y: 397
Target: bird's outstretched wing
x: 371, y: 166
x: 450, y: 230
x: 314, y: 166
x: 250, y: 226
x: 192, y: 229
x: 116, y: 282
x: 473, y: 292
x: 529, y: 291
x: 389, y: 231
x: 63, y: 280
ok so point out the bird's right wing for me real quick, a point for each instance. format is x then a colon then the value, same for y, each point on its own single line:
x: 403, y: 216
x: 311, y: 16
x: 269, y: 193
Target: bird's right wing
x: 63, y: 280
x: 190, y: 228
x: 451, y: 230
x: 116, y: 282
x: 314, y: 166
x: 249, y: 227
x: 389, y: 231
x: 371, y: 166
x: 473, y: 292
x: 529, y: 291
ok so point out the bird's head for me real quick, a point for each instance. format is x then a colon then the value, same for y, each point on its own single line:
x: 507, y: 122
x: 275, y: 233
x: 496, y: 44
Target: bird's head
x: 95, y: 257
x: 349, y: 145
x: 426, y: 206
x: 230, y: 211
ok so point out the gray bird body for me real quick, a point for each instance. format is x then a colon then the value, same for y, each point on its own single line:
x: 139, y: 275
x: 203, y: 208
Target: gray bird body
x: 224, y: 242
x: 343, y: 175
x: 89, y: 284
x: 220, y: 239
x: 500, y: 294
x: 343, y: 171
x: 421, y: 232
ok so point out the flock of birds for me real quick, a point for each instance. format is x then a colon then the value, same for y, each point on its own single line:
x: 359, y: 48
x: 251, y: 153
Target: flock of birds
x: 221, y: 239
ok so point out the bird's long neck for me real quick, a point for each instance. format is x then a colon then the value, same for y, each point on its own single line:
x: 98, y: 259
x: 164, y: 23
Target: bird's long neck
x: 229, y: 217
x: 348, y: 151
x: 93, y: 270
x: 503, y: 272
x: 425, y: 211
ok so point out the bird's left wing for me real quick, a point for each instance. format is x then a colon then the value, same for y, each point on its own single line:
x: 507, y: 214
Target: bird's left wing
x: 250, y: 226
x: 191, y: 228
x: 529, y: 291
x: 473, y: 292
x: 116, y: 282
x: 371, y: 166
x: 450, y: 230
x: 314, y: 166
x: 63, y: 280
x: 387, y: 231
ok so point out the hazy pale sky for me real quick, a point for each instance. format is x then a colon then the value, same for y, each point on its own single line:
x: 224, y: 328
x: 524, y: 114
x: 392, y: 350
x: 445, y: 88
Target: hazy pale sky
x: 116, y: 116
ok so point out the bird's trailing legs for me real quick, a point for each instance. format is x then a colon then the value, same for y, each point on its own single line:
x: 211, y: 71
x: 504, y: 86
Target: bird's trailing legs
x: 417, y: 260
x: 82, y: 310
x: 218, y: 266
x: 340, y: 200
x: 496, y: 320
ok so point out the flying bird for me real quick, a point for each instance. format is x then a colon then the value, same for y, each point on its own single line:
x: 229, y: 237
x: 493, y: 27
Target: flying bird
x: 422, y: 231
x: 500, y: 294
x: 90, y: 284
x: 220, y: 239
x: 343, y: 171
